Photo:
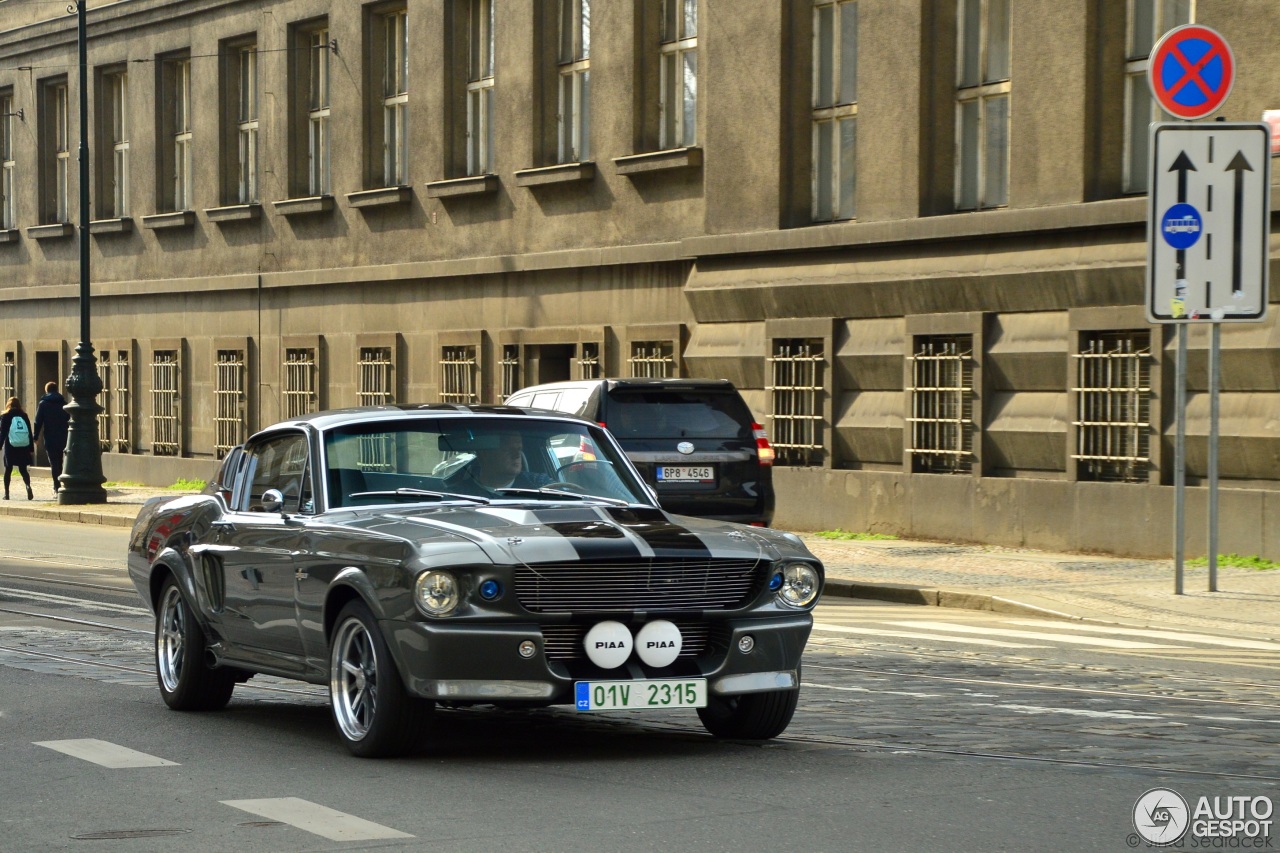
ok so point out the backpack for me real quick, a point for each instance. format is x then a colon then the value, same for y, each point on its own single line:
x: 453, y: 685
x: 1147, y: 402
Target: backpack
x: 19, y: 434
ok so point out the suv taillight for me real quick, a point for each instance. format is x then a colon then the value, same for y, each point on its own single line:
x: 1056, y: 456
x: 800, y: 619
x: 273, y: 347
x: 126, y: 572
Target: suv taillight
x: 763, y: 449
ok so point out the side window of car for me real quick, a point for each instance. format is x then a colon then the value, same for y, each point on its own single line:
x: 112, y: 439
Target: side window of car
x: 545, y: 400
x: 278, y: 463
x: 573, y: 401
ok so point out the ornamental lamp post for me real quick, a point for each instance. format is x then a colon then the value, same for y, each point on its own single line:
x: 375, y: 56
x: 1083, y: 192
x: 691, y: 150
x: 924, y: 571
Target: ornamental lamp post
x: 82, y: 478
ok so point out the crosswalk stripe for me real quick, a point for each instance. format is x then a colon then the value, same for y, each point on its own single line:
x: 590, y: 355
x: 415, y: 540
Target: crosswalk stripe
x: 105, y: 753
x: 910, y: 635
x: 1035, y: 635
x: 317, y: 819
x: 1205, y: 639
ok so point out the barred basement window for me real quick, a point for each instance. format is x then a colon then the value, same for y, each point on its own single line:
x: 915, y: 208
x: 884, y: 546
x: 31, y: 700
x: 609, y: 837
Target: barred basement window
x: 228, y: 419
x: 652, y: 359
x: 1113, y: 406
x: 795, y: 394
x: 458, y: 375
x: 104, y: 416
x: 942, y: 404
x: 10, y: 375
x: 589, y: 361
x: 375, y: 377
x: 510, y: 366
x: 164, y: 403
x: 121, y: 405
x: 300, y: 396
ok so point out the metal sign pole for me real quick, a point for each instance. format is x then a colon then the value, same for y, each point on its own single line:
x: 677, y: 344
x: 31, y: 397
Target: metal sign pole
x: 1180, y: 460
x: 1214, y: 371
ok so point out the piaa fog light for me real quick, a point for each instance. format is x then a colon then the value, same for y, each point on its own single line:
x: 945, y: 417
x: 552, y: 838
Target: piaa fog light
x: 659, y: 643
x: 608, y: 644
x: 799, y: 584
x: 436, y: 593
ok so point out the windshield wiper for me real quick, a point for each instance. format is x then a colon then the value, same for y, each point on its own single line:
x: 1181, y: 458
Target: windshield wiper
x: 563, y: 493
x: 419, y: 493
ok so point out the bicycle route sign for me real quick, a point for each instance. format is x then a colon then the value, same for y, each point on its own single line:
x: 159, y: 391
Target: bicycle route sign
x: 1191, y: 71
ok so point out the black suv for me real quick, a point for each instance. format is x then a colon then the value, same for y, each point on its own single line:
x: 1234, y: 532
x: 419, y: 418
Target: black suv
x: 694, y: 440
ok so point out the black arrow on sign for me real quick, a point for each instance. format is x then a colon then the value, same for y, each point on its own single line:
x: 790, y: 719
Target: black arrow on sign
x: 1182, y: 165
x: 1239, y: 165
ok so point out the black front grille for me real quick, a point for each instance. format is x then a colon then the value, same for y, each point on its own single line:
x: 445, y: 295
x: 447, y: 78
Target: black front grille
x: 652, y: 584
x: 564, y: 642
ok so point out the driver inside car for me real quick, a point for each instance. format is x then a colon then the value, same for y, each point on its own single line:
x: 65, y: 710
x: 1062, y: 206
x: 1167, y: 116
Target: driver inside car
x: 497, y: 467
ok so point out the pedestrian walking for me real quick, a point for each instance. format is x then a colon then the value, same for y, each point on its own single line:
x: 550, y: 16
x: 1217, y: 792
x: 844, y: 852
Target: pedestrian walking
x: 51, y: 422
x: 15, y: 432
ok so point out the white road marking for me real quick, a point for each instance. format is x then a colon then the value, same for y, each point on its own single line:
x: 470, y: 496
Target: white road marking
x: 878, y: 632
x: 913, y: 695
x: 49, y: 598
x: 1206, y: 639
x: 1075, y: 712
x: 317, y: 819
x: 1036, y: 635
x: 105, y: 753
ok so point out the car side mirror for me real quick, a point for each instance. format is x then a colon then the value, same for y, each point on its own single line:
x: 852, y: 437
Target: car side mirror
x: 272, y: 500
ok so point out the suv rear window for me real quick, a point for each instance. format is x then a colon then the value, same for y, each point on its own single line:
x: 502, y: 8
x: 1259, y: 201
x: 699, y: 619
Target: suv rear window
x: 667, y: 413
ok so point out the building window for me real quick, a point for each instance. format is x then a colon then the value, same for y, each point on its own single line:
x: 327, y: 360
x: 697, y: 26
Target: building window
x: 375, y: 377
x: 1147, y: 21
x: 575, y: 81
x: 165, y: 421
x: 941, y: 421
x: 589, y: 361
x: 835, y: 108
x: 8, y: 211
x: 982, y: 105
x: 229, y: 392
x: 10, y: 377
x: 121, y: 404
x: 318, y: 112
x: 247, y: 124
x: 458, y: 371
x: 175, y: 129
x: 104, y: 414
x: 115, y: 163
x: 1113, y: 406
x: 678, y: 74
x: 479, y: 87
x: 510, y: 366
x: 795, y: 396
x: 652, y: 359
x: 55, y: 132
x: 301, y: 388
x: 392, y: 42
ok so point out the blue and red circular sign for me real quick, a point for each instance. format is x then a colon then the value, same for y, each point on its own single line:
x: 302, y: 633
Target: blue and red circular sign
x: 1191, y: 71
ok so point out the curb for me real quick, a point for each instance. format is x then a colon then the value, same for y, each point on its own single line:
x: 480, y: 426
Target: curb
x: 78, y: 516
x: 901, y: 594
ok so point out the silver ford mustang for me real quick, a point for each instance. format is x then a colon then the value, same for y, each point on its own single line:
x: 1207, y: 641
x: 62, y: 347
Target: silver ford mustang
x: 466, y: 555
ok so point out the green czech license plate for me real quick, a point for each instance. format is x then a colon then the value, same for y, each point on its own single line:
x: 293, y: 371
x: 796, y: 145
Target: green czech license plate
x: 639, y: 695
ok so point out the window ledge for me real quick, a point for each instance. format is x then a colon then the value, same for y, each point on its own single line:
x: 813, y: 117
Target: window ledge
x: 51, y: 232
x: 381, y: 197
x: 234, y: 213
x: 659, y: 161
x: 9, y: 235
x: 304, y: 206
x: 562, y: 173
x: 120, y: 225
x: 473, y: 185
x: 164, y: 221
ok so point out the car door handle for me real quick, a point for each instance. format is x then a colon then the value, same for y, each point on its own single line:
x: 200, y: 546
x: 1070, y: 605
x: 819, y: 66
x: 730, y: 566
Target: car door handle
x: 225, y: 526
x: 300, y: 575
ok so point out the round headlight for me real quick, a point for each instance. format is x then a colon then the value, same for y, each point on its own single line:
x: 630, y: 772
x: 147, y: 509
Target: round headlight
x: 436, y: 593
x: 800, y: 584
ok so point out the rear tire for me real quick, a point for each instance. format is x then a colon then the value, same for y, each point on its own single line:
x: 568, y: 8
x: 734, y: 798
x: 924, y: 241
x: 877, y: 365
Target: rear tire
x: 752, y: 716
x: 375, y: 715
x: 187, y: 683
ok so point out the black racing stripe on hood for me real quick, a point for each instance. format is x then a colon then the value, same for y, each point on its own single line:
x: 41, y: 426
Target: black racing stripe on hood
x: 666, y: 538
x: 596, y: 539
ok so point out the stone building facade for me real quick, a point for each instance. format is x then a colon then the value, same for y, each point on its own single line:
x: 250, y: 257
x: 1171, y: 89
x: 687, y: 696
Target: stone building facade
x: 912, y: 231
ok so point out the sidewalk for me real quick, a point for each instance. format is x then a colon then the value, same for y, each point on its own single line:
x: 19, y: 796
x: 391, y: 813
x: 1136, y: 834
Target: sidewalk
x: 975, y: 577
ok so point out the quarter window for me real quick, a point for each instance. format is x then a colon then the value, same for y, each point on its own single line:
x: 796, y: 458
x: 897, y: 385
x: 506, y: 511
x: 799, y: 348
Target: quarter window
x: 281, y: 464
x: 982, y: 104
x: 835, y: 108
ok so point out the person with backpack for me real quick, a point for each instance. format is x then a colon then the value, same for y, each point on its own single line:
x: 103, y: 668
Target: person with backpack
x: 15, y: 432
x: 51, y: 422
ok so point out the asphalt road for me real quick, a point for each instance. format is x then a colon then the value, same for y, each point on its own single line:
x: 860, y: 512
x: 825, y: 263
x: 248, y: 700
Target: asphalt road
x: 918, y: 729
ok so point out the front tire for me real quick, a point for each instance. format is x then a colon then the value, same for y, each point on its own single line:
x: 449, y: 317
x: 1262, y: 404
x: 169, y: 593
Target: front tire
x: 752, y: 716
x: 375, y: 715
x: 186, y: 682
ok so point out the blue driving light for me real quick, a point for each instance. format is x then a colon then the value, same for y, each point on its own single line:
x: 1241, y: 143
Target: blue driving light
x: 775, y: 582
x: 491, y: 589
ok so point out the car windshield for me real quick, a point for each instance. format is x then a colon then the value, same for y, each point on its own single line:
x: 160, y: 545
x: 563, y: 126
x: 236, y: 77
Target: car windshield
x: 474, y: 460
x: 677, y: 413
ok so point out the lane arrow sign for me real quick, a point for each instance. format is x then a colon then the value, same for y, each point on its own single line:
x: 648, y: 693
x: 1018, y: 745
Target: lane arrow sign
x: 1239, y: 165
x: 1182, y: 165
